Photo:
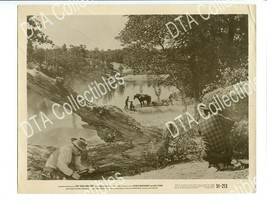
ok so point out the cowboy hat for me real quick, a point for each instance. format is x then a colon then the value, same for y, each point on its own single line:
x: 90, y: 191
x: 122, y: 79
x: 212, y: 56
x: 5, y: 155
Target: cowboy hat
x: 79, y: 143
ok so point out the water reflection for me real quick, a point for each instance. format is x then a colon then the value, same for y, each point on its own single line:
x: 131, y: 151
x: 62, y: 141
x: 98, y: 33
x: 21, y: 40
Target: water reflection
x: 71, y: 126
x: 37, y: 104
x: 118, y: 96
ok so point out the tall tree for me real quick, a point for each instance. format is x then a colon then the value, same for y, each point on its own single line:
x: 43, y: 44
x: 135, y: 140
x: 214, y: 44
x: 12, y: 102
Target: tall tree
x: 35, y: 35
x: 194, y: 59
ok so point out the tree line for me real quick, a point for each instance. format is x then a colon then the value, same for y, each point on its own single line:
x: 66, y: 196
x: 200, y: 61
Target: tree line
x: 73, y: 60
x: 210, y: 55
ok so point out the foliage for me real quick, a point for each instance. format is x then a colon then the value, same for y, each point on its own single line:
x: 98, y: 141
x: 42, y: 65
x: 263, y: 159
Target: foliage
x: 181, y: 149
x: 194, y: 59
x: 65, y: 61
x: 185, y: 148
x: 120, y: 69
x: 227, y: 77
x: 73, y: 60
x: 35, y: 36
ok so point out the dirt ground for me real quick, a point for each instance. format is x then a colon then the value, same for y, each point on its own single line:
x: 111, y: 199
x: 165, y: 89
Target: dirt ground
x: 192, y: 170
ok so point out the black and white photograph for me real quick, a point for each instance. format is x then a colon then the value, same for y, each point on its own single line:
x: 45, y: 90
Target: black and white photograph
x: 112, y: 98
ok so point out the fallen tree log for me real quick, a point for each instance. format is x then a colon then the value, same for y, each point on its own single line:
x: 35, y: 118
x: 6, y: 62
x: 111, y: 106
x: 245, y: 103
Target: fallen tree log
x: 133, y: 140
x: 101, y: 118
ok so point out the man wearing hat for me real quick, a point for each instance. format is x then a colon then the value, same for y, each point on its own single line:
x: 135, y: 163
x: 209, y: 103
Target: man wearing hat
x: 65, y: 162
x: 215, y: 130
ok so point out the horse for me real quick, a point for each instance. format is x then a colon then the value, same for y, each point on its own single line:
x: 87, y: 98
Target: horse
x: 142, y: 98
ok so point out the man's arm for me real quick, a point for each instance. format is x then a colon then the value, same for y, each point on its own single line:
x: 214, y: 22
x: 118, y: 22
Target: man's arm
x: 78, y: 163
x: 81, y: 167
x: 64, y: 160
x: 227, y: 122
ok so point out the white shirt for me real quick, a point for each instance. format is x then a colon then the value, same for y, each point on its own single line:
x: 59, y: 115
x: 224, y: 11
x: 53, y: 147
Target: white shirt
x: 64, y: 159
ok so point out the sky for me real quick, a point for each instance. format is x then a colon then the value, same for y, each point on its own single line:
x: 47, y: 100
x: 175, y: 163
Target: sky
x: 92, y: 31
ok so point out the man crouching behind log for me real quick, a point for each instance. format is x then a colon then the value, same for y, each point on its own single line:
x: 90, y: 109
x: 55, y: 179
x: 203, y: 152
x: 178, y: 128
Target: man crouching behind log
x: 216, y: 141
x: 65, y: 162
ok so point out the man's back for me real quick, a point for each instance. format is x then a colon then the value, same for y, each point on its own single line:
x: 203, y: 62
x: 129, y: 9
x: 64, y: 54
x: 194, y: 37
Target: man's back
x: 214, y: 132
x: 65, y: 150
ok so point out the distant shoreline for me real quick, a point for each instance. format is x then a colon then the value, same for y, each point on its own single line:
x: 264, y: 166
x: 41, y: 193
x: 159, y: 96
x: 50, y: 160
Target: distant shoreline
x: 139, y: 78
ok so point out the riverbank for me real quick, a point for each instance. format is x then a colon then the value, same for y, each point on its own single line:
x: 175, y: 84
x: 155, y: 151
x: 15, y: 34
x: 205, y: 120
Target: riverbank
x: 140, y: 77
x: 158, y: 115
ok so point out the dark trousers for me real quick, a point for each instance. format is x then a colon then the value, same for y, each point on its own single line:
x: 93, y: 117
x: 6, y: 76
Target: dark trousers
x: 216, y: 158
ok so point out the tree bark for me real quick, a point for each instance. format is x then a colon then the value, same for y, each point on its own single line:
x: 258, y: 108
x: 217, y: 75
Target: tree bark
x: 133, y: 140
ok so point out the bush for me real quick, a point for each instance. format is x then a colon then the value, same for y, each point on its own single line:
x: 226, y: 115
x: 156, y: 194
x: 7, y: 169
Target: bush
x: 185, y: 148
x: 228, y: 77
x: 175, y: 150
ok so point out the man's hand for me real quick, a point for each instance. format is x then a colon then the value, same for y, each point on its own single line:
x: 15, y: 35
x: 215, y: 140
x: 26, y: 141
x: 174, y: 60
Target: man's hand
x: 75, y: 175
x: 91, y: 170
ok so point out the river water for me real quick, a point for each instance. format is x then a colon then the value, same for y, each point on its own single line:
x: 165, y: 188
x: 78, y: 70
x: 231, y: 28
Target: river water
x: 118, y: 96
x: 71, y: 123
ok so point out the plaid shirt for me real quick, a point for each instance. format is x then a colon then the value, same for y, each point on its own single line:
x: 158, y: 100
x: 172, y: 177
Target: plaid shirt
x: 214, y: 132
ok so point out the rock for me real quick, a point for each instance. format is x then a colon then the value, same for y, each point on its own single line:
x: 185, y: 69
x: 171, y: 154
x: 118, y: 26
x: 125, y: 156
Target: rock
x: 237, y: 110
x: 37, y: 156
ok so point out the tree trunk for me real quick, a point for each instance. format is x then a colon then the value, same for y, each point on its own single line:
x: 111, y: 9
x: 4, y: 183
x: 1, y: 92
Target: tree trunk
x: 196, y: 84
x: 133, y: 141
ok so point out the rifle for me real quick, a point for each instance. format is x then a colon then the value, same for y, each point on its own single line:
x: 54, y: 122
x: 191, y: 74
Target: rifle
x: 86, y: 171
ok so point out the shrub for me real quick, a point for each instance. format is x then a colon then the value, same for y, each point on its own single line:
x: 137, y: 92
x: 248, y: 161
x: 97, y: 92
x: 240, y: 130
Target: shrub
x: 227, y: 77
x: 175, y: 150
